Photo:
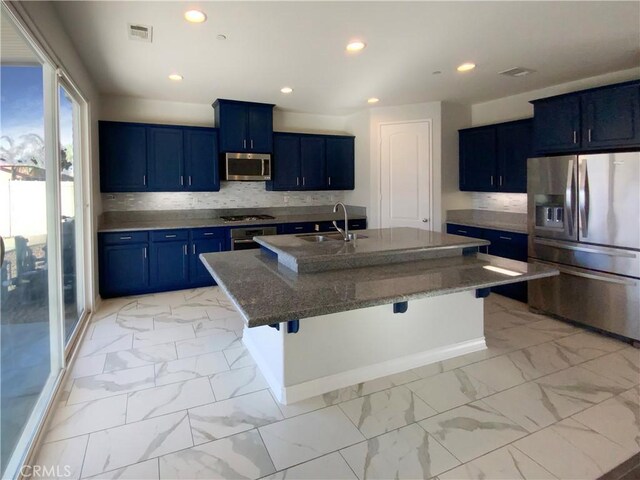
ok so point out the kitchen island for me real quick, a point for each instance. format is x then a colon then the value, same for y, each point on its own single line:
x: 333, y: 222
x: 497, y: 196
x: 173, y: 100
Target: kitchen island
x: 392, y: 300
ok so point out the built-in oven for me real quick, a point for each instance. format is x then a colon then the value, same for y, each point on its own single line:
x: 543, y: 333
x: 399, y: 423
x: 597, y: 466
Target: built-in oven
x: 247, y: 166
x: 242, y: 238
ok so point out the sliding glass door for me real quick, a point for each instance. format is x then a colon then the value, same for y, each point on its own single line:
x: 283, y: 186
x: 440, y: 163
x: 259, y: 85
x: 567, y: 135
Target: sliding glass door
x: 41, y: 236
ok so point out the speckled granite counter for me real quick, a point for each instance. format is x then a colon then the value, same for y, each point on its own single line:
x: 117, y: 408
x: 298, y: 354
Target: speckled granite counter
x: 505, y: 221
x: 161, y: 220
x: 266, y: 292
x: 371, y: 247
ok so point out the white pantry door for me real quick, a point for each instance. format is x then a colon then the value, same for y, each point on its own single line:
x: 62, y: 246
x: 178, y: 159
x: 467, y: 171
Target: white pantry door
x: 405, y: 171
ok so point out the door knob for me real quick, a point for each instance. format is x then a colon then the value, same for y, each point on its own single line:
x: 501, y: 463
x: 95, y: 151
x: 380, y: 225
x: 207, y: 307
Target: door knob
x: 425, y: 220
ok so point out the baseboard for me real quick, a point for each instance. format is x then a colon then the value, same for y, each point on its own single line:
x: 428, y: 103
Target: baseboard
x: 302, y: 391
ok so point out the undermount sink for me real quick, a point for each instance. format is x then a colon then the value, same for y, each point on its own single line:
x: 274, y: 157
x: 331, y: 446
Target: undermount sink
x: 328, y: 237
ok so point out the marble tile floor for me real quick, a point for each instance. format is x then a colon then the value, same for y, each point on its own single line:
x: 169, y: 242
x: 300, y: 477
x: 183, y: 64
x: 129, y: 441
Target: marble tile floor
x: 163, y: 388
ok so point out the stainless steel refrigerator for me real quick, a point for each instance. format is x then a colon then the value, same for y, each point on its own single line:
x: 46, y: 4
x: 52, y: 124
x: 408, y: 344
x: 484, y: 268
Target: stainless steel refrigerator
x: 584, y: 218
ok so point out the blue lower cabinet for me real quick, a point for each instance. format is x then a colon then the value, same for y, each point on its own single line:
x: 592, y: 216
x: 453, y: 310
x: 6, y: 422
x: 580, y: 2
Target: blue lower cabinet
x: 503, y: 244
x: 199, y: 275
x: 124, y: 269
x: 169, y: 262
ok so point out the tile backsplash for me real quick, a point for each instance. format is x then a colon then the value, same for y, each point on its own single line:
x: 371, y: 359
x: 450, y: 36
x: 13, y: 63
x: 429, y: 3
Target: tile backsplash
x: 504, y: 202
x: 231, y: 195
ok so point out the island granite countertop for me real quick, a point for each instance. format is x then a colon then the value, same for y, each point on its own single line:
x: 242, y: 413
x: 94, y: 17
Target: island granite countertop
x: 266, y: 292
x: 371, y: 247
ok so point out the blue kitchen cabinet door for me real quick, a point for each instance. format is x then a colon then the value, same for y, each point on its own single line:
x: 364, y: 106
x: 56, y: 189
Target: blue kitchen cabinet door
x: 200, y: 276
x: 478, y: 157
x: 169, y: 265
x: 124, y: 269
x: 165, y: 149
x: 556, y: 125
x: 201, y: 160
x: 340, y: 163
x: 611, y: 117
x: 300, y: 227
x: 123, y: 157
x: 514, y: 148
x: 234, y: 126
x: 285, y: 162
x: 312, y: 163
x: 260, y: 118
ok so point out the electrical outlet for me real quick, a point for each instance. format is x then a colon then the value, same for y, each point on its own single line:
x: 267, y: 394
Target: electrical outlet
x: 286, y: 199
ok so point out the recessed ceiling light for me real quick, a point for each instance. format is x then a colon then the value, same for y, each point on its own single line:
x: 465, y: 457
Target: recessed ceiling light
x: 355, y: 46
x: 175, y: 77
x: 373, y: 100
x: 286, y: 89
x: 221, y: 37
x: 195, y: 16
x: 465, y: 67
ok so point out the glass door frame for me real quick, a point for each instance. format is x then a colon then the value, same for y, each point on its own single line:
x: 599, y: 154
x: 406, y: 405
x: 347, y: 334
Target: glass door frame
x: 54, y: 78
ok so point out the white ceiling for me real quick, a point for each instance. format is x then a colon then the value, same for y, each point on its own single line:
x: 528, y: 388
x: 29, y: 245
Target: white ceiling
x: 301, y: 44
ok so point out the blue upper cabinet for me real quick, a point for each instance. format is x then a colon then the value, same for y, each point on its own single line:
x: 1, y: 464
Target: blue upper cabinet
x: 556, y: 125
x: 244, y: 126
x: 340, y: 163
x: 514, y: 147
x: 200, y: 158
x: 165, y: 147
x: 478, y: 154
x: 303, y: 161
x: 312, y: 162
x: 590, y: 120
x: 285, y: 162
x: 611, y: 117
x: 138, y: 157
x: 123, y: 157
x: 493, y: 158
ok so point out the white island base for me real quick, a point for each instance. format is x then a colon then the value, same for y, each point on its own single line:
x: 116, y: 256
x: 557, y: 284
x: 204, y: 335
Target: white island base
x: 346, y: 348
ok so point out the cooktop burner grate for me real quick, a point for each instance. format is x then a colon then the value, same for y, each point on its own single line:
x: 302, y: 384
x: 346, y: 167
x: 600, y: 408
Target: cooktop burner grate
x: 245, y: 218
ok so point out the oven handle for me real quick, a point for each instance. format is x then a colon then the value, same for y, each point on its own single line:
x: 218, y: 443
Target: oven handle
x: 601, y: 250
x: 244, y: 241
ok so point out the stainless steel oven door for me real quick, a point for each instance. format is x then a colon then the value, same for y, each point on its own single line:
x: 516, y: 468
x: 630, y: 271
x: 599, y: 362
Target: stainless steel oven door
x: 605, y: 301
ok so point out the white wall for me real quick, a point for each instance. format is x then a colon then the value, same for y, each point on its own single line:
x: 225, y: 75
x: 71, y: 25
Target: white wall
x: 517, y: 106
x: 44, y: 24
x: 130, y: 109
x: 359, y: 125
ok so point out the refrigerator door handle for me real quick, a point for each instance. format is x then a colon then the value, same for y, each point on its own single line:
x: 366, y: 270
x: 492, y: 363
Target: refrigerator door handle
x: 583, y: 202
x: 601, y: 278
x: 569, y: 196
x: 600, y: 250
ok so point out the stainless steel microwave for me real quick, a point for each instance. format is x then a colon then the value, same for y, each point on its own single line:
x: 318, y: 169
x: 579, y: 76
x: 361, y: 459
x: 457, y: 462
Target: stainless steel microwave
x: 247, y: 166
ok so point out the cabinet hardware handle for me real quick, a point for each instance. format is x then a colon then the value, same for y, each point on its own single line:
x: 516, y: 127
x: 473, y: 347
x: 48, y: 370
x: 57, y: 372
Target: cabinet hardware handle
x: 181, y: 180
x: 303, y: 181
x: 505, y: 238
x: 575, y: 137
x: 462, y: 231
x: 184, y: 248
x: 500, y: 179
x: 244, y: 143
x: 170, y: 236
x: 589, y: 135
x: 206, y: 234
x: 189, y: 180
x: 491, y: 179
x: 125, y: 238
x: 145, y: 252
x: 298, y: 228
x: 329, y: 181
x: 297, y: 181
x: 194, y: 248
x: 144, y: 180
x: 252, y: 144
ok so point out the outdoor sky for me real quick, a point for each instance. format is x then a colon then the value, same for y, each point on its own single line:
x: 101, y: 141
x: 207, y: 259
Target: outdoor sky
x: 22, y: 104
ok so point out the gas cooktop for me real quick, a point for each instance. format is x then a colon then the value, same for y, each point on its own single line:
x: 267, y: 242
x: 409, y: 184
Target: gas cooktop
x: 246, y: 218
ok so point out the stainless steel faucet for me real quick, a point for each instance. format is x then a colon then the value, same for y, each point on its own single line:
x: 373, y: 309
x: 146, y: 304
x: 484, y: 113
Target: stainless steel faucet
x: 345, y: 232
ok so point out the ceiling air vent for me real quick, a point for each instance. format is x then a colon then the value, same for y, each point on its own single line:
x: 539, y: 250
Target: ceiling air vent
x: 516, y: 72
x: 141, y: 33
